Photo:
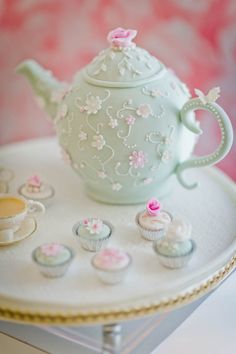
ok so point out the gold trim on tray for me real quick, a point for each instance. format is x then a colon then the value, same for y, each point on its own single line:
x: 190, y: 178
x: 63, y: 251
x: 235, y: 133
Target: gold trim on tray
x: 121, y: 314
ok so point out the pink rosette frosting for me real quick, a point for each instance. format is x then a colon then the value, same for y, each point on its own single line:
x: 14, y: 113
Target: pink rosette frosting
x: 111, y: 258
x: 51, y: 249
x: 121, y: 37
x: 153, y: 207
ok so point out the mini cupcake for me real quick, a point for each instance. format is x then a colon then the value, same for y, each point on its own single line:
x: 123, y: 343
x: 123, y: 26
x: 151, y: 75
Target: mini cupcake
x: 34, y: 184
x: 176, y: 248
x: 36, y: 189
x: 93, y: 233
x: 153, y: 221
x: 111, y: 265
x: 53, y: 259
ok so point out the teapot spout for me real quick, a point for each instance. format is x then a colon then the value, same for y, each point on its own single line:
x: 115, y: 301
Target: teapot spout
x: 44, y: 85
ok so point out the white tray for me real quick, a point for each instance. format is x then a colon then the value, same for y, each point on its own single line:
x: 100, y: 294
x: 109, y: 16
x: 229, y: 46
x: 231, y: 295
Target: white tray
x: 79, y: 297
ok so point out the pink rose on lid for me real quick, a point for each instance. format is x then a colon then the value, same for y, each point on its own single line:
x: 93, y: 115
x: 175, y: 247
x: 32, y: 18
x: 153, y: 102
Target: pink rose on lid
x: 121, y: 37
x: 153, y: 207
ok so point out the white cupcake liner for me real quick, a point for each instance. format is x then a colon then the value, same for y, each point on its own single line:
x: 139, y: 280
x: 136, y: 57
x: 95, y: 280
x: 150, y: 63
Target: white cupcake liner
x: 89, y: 244
x: 150, y: 235
x: 112, y: 276
x: 174, y: 262
x: 93, y: 245
x: 54, y: 271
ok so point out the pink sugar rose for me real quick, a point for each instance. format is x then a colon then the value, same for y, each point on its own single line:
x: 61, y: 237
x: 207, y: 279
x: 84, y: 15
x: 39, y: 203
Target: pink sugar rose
x: 153, y: 207
x: 120, y: 37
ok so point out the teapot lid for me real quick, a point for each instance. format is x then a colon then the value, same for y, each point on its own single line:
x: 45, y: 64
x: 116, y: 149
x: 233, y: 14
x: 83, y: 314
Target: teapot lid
x: 123, y: 64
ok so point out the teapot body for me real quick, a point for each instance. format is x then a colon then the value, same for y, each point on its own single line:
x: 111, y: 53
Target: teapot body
x: 125, y: 143
x: 127, y: 125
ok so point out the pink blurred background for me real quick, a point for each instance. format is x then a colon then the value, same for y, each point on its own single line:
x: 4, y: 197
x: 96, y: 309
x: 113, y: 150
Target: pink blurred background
x: 196, y: 38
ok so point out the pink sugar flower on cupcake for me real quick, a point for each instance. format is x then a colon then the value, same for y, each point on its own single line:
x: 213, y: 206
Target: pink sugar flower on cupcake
x: 94, y: 226
x: 93, y: 234
x: 111, y: 265
x: 51, y: 249
x: 153, y: 221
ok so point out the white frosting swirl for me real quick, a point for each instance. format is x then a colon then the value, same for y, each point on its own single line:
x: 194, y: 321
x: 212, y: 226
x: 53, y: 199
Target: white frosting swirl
x: 179, y: 230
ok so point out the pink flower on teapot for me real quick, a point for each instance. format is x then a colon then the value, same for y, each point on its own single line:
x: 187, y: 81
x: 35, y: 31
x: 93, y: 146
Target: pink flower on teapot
x: 120, y: 37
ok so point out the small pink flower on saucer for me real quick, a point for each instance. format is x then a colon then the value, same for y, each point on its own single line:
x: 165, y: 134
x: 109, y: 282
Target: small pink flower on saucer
x: 111, y: 264
x: 34, y: 184
x: 121, y: 38
x: 153, y: 221
x: 35, y: 188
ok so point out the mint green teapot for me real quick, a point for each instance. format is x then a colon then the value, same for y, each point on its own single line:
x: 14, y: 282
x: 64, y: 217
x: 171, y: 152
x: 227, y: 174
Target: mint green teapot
x: 126, y: 124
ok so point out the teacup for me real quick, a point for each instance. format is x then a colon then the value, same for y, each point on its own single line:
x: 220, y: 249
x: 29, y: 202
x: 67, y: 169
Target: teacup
x: 13, y: 211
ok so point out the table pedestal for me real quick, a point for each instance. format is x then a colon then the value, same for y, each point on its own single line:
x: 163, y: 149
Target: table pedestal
x: 111, y: 338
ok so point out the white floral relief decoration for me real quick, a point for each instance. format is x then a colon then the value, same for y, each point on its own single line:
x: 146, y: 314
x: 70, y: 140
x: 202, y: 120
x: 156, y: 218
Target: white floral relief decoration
x: 125, y: 65
x: 154, y: 92
x: 122, y: 123
x: 64, y: 128
x: 179, y: 88
x: 162, y: 143
x: 131, y: 58
x: 98, y: 142
x: 91, y: 107
x: 210, y: 97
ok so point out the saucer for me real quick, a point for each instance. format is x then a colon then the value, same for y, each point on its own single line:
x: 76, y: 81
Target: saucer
x: 46, y: 193
x: 27, y: 228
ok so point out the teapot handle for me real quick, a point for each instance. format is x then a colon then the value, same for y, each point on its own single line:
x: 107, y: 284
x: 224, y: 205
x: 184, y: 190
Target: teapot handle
x: 203, y: 102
